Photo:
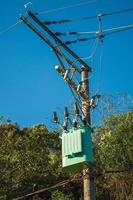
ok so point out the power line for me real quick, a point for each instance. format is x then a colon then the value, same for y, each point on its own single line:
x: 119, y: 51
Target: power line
x: 118, y: 12
x: 128, y: 170
x: 69, y: 20
x: 93, y: 51
x: 10, y: 27
x: 66, y: 7
x: 112, y: 31
x: 94, y: 32
x: 65, y: 182
x: 72, y: 20
x: 57, y: 40
x: 60, y: 184
x: 100, y: 67
x: 87, y: 17
x: 118, y: 29
x: 106, y: 30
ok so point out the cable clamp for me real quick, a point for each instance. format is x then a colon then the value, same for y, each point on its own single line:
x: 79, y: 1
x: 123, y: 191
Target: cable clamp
x: 99, y: 16
x: 99, y: 34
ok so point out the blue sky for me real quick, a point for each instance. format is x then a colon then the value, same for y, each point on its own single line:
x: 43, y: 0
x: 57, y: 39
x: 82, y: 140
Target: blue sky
x: 30, y: 89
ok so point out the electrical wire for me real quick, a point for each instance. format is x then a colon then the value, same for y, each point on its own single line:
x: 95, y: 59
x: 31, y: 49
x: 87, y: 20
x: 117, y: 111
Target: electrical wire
x: 112, y: 31
x: 10, y: 27
x: 68, y: 65
x: 100, y: 68
x: 66, y: 7
x: 69, y: 20
x: 93, y: 51
x: 118, y: 12
x: 88, y: 17
x: 113, y: 172
x: 73, y: 33
x: 100, y: 33
x: 87, y: 32
x: 60, y: 184
x: 77, y: 99
x: 76, y: 19
x: 59, y: 60
x: 119, y: 28
x: 79, y: 178
x: 106, y: 30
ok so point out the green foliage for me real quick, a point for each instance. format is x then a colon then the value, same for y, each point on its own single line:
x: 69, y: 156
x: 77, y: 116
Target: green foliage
x: 58, y: 195
x: 113, y: 151
x: 37, y: 198
x: 30, y: 159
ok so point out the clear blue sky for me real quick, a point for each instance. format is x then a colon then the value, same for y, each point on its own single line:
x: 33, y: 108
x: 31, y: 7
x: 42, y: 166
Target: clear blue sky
x: 30, y: 89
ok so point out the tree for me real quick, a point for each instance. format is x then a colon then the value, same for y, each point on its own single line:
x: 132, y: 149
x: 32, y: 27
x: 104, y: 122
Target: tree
x: 30, y: 159
x: 113, y: 151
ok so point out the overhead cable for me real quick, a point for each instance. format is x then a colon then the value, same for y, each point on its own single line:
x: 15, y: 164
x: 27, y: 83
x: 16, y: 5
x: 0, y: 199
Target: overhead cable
x: 10, y: 27
x: 105, y: 32
x: 65, y: 182
x: 69, y: 20
x: 93, y: 51
x: 93, y: 32
x: 73, y: 33
x: 118, y: 12
x: 60, y: 184
x: 66, y: 7
x: 100, y: 68
x: 87, y: 17
x: 57, y: 40
x: 120, y: 28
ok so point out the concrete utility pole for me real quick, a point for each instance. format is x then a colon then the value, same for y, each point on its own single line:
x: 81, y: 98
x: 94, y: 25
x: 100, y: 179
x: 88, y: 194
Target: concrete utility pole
x: 88, y: 184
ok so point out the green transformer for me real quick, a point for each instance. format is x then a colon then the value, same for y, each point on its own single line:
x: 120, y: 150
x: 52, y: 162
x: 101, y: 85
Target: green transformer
x: 76, y: 149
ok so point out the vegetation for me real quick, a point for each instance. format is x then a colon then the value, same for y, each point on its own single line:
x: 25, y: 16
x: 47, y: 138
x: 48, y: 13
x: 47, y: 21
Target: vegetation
x: 30, y: 159
x: 113, y: 151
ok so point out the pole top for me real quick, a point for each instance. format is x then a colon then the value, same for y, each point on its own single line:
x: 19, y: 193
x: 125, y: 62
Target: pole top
x: 84, y: 68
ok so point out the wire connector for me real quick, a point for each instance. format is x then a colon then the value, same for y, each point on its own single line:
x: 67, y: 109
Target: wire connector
x: 99, y: 16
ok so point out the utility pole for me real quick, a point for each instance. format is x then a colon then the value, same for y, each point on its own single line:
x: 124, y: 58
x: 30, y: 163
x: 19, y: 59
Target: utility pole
x: 88, y: 185
x: 84, y: 93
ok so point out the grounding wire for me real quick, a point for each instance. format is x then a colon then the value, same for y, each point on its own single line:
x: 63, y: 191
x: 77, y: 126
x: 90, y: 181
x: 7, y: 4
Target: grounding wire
x: 66, y: 7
